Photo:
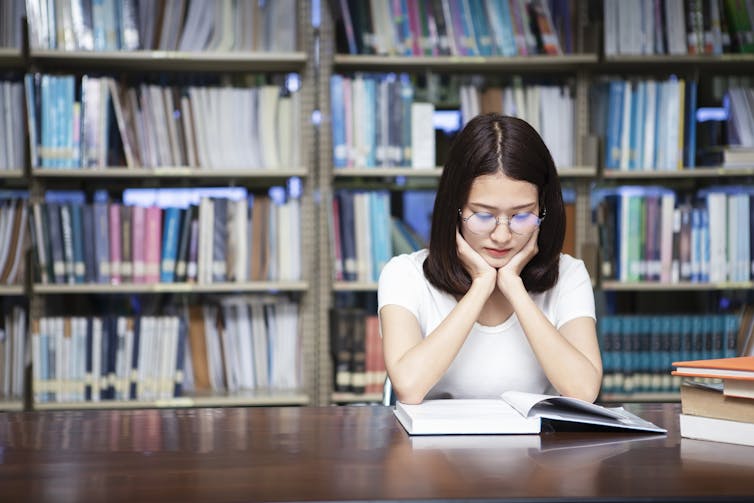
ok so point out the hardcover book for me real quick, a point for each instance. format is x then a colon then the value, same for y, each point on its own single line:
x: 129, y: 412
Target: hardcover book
x: 516, y: 412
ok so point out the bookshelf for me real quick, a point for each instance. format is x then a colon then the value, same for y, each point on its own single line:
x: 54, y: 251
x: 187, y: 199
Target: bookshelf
x: 183, y: 68
x: 569, y: 68
x: 695, y: 295
x: 589, y: 65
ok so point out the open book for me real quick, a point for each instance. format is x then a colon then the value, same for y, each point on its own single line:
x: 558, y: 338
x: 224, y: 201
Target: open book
x: 516, y: 412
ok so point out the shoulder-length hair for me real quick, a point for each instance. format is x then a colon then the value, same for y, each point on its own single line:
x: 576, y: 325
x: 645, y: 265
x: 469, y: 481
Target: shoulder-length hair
x: 489, y: 144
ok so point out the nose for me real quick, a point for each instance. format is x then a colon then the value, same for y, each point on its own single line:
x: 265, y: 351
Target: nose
x: 502, y: 231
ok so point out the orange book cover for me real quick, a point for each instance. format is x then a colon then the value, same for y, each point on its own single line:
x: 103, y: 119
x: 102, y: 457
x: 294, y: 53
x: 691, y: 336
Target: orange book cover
x: 740, y: 367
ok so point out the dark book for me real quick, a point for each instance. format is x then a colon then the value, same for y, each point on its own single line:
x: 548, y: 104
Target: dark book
x: 181, y: 263
x: 340, y: 349
x: 357, y: 325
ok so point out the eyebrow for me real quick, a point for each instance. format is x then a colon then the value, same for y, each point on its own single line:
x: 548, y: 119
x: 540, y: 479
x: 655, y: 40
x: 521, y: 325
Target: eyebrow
x: 495, y: 208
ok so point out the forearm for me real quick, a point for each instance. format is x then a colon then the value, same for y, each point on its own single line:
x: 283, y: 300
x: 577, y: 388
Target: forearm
x: 422, y: 366
x: 570, y: 371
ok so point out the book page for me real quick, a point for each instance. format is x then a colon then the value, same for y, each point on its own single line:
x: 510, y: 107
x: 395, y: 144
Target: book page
x: 573, y: 410
x: 524, y: 402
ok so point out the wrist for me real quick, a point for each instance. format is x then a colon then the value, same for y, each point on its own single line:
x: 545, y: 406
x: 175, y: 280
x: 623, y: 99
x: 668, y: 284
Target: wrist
x: 484, y: 283
x: 510, y: 283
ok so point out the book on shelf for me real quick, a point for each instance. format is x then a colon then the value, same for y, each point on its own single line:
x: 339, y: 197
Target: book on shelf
x: 128, y: 25
x: 515, y: 412
x: 449, y: 27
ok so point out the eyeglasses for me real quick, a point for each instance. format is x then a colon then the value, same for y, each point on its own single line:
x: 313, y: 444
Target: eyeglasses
x: 521, y: 224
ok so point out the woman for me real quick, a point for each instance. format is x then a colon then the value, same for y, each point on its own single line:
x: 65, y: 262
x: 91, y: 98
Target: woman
x: 492, y: 305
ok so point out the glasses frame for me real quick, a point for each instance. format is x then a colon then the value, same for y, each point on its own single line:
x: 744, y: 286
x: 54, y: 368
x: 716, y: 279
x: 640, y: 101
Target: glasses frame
x: 500, y: 220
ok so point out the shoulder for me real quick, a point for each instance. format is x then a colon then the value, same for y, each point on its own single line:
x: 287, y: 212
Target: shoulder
x: 571, y: 269
x: 406, y: 264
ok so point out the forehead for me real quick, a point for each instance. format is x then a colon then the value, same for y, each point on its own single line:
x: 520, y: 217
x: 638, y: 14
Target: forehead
x: 500, y: 191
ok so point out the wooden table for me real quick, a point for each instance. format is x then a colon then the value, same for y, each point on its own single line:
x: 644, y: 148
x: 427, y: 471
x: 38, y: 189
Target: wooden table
x: 348, y: 453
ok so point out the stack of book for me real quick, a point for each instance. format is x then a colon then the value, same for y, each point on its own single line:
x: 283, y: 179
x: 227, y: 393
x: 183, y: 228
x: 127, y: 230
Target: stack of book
x: 717, y: 400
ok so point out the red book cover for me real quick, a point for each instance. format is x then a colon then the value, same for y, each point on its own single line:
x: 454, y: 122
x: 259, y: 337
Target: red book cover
x: 740, y: 367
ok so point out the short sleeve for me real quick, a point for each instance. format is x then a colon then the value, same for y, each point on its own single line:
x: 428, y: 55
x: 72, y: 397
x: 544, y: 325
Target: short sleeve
x: 400, y: 284
x: 575, y: 294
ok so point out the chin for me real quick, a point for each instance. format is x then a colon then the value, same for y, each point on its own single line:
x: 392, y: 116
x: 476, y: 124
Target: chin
x: 496, y: 262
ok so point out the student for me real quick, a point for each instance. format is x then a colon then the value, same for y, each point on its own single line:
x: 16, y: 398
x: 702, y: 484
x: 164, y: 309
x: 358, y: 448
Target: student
x: 492, y: 305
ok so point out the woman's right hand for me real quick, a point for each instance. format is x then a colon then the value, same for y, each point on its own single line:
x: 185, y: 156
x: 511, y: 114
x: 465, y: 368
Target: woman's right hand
x: 475, y: 265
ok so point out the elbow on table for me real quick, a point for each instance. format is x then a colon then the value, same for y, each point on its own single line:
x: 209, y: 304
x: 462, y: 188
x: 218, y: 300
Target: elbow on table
x: 408, y: 394
x: 587, y: 391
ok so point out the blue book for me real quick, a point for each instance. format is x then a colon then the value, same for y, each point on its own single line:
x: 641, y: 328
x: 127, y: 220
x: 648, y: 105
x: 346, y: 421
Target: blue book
x: 170, y: 238
x: 347, y: 235
x: 499, y: 15
x: 379, y: 215
x: 689, y: 159
x: 479, y: 20
x: 338, y: 112
x: 31, y: 86
x: 102, y: 246
x: 370, y: 121
x: 732, y: 325
x: 614, y: 125
x: 78, y: 236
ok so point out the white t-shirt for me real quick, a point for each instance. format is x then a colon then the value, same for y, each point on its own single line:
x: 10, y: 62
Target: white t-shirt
x: 493, y: 359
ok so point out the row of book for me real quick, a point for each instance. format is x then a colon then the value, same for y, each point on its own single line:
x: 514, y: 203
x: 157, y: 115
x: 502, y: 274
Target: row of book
x: 455, y: 27
x: 532, y: 103
x: 11, y: 15
x: 647, y: 125
x: 361, y: 234
x: 237, y: 344
x: 652, y: 234
x: 14, y: 238
x: 244, y: 343
x: 13, y: 353
x: 637, y: 349
x: 77, y: 359
x: 95, y: 122
x: 678, y: 27
x: 377, y: 123
x: 204, y: 240
x: 11, y: 126
x: 717, y: 399
x: 166, y: 25
x: 377, y: 120
x: 356, y: 349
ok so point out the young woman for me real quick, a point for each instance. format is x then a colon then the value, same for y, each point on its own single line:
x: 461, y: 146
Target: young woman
x: 492, y: 305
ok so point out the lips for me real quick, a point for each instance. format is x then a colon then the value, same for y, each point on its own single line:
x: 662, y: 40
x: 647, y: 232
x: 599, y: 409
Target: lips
x: 497, y: 253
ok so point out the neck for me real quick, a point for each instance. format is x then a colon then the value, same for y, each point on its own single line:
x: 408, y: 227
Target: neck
x: 496, y: 310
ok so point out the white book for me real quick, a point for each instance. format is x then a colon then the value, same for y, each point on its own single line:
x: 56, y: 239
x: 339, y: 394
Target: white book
x: 214, y: 356
x: 245, y: 351
x: 260, y: 345
x: 717, y: 430
x: 515, y: 412
x: 611, y: 28
x: 267, y: 125
x: 422, y: 136
x: 647, y: 162
x: 230, y: 348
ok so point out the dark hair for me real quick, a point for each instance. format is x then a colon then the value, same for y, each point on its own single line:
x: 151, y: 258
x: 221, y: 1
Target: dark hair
x: 489, y: 144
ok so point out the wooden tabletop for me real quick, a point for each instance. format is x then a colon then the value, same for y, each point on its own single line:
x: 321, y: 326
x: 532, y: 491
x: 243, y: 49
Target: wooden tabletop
x: 348, y: 453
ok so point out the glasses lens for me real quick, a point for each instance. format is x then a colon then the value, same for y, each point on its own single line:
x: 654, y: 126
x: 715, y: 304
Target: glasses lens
x: 524, y: 223
x: 481, y: 223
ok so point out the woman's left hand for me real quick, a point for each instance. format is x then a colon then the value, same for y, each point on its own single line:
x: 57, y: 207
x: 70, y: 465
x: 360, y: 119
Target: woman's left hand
x: 510, y: 274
